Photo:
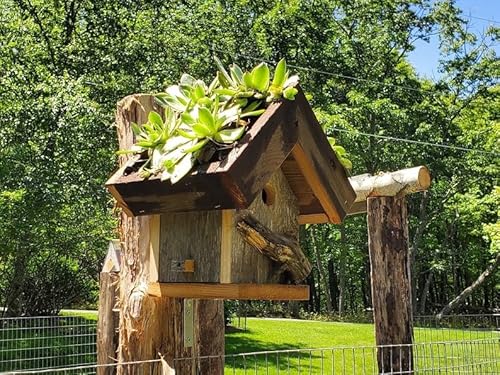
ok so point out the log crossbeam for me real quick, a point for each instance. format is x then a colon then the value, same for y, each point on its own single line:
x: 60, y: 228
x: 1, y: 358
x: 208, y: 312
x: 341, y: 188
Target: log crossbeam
x: 388, y: 184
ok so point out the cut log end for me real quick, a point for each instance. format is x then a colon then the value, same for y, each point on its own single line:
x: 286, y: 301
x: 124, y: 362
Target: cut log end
x: 424, y: 178
x: 389, y: 184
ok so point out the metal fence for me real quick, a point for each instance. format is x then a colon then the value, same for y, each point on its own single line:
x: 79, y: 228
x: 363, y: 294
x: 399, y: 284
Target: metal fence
x: 427, y: 328
x: 46, y: 342
x: 467, y: 344
x: 153, y: 367
x: 455, y: 357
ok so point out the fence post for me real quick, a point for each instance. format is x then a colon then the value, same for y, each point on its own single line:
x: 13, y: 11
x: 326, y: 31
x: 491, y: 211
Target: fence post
x: 391, y: 283
x: 108, y: 319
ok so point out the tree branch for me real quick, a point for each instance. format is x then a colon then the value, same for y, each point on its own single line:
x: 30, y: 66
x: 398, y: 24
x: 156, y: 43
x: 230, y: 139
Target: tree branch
x: 278, y: 247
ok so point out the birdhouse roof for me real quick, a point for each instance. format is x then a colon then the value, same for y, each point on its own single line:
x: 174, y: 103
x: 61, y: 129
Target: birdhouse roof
x: 287, y: 136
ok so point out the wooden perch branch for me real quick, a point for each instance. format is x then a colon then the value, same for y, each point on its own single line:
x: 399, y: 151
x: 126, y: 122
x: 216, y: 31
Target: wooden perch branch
x: 389, y: 184
x: 278, y: 247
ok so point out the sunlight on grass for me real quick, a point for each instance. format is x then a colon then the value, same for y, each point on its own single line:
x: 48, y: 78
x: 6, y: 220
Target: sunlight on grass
x: 277, y: 334
x: 88, y: 315
x: 353, y: 343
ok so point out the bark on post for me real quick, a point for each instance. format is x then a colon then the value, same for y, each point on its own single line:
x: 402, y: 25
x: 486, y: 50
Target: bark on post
x: 389, y: 184
x: 106, y: 338
x: 107, y: 325
x: 391, y: 283
x: 383, y: 198
x: 151, y: 327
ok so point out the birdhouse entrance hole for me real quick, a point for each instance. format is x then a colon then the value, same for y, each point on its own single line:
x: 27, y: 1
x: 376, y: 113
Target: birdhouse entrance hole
x: 268, y: 195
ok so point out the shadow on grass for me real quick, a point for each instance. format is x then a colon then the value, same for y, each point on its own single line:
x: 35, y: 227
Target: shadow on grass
x: 238, y: 342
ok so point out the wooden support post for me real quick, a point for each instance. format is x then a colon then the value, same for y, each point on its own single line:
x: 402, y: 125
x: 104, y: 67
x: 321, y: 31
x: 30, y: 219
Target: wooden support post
x: 391, y: 283
x: 383, y: 198
x: 106, y: 339
x: 151, y: 327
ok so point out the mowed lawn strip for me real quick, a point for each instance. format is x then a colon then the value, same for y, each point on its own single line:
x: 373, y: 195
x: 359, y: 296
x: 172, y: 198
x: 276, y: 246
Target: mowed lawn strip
x: 280, y: 334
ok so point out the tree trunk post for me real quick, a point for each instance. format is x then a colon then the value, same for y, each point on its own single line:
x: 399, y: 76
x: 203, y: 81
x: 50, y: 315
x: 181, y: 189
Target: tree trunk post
x: 391, y: 283
x: 382, y: 196
x: 106, y: 339
x: 152, y: 327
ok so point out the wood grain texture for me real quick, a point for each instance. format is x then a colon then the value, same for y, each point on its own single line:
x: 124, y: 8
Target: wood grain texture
x: 191, y: 235
x: 148, y: 326
x: 231, y: 183
x: 388, y: 184
x: 391, y: 282
x: 137, y: 310
x: 209, y: 337
x: 313, y: 219
x: 314, y: 173
x: 154, y: 248
x: 310, y: 208
x: 248, y: 265
x: 280, y: 248
x: 112, y: 261
x: 226, y: 245
x: 263, y: 149
x: 272, y: 292
x: 324, y: 173
x: 313, y: 178
x: 106, y: 341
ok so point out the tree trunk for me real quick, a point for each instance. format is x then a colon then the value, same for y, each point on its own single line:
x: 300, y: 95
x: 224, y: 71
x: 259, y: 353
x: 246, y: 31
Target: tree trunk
x: 152, y: 327
x: 391, y: 283
x: 415, y: 243
x: 333, y: 284
x: 425, y: 292
x: 458, y: 300
x: 342, y: 270
x: 321, y: 272
x: 106, y: 338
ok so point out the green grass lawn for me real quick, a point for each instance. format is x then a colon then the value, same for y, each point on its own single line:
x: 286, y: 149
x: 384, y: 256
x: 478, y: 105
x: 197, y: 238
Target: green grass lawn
x: 88, y: 315
x: 273, y: 335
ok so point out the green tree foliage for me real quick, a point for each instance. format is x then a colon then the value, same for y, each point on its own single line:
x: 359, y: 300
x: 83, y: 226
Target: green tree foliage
x: 64, y: 64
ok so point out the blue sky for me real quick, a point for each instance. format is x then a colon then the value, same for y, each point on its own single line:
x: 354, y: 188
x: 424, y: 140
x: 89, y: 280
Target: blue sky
x: 425, y: 56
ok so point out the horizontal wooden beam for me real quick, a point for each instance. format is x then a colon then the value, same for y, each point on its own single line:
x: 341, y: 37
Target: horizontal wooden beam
x: 388, y: 184
x: 270, y: 292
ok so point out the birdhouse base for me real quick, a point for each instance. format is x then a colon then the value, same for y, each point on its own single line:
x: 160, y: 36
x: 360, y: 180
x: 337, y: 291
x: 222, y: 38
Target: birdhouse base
x: 267, y: 292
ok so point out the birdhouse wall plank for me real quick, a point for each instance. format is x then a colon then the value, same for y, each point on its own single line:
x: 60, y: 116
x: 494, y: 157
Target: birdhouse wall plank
x: 260, y: 157
x: 189, y: 237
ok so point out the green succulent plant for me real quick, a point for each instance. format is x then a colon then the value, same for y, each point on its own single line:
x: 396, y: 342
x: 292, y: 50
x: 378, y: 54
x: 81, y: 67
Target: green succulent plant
x: 199, y: 120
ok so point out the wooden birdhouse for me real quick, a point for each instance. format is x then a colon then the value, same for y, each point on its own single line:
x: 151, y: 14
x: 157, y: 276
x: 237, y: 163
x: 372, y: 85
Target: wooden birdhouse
x: 232, y: 226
